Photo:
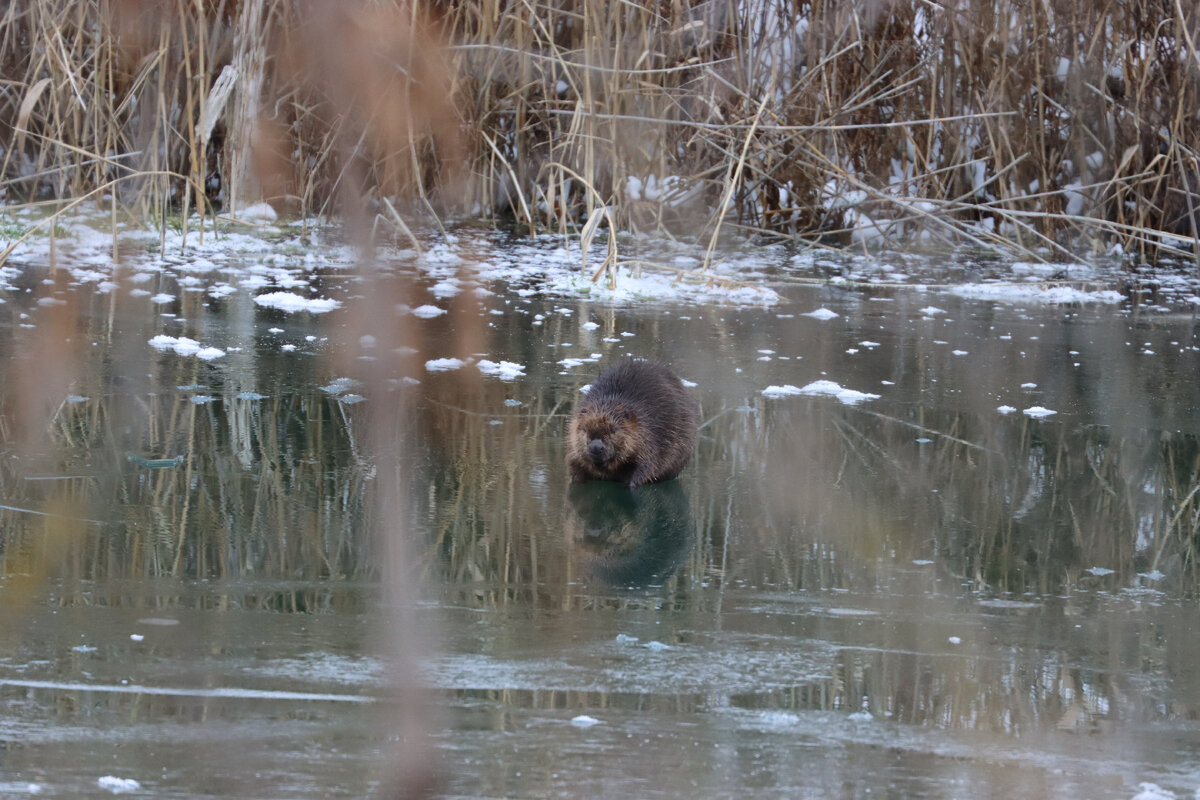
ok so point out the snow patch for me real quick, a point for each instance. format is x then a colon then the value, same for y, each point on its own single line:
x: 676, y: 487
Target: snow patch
x: 628, y: 287
x: 289, y: 302
x: 185, y: 347
x: 1046, y: 295
x: 209, y: 353
x: 118, y: 785
x: 821, y: 389
x: 569, y: 363
x: 504, y: 370
x: 443, y: 364
x: 446, y: 288
x: 259, y: 211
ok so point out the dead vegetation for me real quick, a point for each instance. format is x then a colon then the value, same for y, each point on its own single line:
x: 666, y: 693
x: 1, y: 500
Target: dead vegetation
x: 1048, y: 126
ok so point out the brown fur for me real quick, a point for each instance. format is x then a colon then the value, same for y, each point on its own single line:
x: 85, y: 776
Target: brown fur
x: 637, y: 425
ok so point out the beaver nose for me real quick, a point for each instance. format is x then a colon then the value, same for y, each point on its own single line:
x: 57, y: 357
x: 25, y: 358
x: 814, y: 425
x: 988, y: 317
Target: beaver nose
x: 596, y: 449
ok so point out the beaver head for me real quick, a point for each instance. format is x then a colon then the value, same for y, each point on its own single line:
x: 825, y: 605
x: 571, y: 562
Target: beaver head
x: 606, y: 438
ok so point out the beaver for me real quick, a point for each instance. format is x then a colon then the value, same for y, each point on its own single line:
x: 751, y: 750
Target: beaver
x: 636, y: 425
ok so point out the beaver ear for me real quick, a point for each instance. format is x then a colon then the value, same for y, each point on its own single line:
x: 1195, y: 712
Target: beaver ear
x: 631, y: 419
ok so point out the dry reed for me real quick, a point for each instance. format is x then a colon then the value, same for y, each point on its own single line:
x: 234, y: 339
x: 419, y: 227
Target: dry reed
x: 1036, y: 127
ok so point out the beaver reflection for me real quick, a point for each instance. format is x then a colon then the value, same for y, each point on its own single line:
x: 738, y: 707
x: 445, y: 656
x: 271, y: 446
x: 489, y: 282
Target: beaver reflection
x: 630, y: 538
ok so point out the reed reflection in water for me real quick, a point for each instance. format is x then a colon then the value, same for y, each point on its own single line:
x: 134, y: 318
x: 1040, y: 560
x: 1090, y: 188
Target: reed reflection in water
x: 778, y: 488
x: 922, y: 561
x: 929, y: 562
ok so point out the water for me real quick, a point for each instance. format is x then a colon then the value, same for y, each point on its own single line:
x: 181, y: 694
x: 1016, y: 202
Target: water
x: 914, y: 595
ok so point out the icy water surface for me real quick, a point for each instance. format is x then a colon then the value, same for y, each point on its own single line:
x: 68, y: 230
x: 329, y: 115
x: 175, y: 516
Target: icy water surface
x: 932, y: 544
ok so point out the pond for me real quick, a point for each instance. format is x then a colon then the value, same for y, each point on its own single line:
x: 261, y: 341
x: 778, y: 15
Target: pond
x: 934, y: 541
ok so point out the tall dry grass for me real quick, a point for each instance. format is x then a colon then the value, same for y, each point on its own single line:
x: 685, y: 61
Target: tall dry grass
x: 1053, y: 125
